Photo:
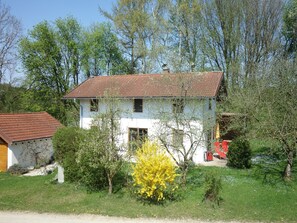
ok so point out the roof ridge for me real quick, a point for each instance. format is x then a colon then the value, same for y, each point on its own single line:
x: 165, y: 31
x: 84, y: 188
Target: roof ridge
x: 151, y: 74
x: 24, y: 113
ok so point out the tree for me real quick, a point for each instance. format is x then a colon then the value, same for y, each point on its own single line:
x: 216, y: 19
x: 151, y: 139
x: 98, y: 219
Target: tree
x: 185, y: 27
x: 10, y: 32
x: 184, y: 129
x: 270, y: 105
x: 11, y: 98
x: 239, y: 36
x: 68, y: 35
x: 101, y: 149
x: 50, y: 56
x: 101, y: 53
x: 49, y: 79
x: 290, y: 27
x: 137, y: 24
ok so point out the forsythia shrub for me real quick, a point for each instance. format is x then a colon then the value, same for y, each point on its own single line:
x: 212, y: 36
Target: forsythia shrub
x: 154, y: 173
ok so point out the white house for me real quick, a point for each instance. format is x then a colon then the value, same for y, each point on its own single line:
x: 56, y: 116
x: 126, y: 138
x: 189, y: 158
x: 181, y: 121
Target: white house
x: 25, y: 138
x: 175, y: 108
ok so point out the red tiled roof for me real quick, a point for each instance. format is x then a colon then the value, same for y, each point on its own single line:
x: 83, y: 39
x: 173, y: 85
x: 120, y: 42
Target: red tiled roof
x: 204, y: 84
x: 27, y: 126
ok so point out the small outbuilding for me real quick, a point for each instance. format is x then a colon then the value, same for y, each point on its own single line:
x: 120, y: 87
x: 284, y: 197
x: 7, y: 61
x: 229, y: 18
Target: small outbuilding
x: 26, y: 139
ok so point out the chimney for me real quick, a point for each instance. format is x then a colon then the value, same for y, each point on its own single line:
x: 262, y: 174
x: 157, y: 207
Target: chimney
x: 166, y: 70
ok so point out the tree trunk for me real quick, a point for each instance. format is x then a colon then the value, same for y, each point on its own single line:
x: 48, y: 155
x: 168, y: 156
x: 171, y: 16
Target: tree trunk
x: 288, y: 169
x: 109, y: 184
x: 184, y: 174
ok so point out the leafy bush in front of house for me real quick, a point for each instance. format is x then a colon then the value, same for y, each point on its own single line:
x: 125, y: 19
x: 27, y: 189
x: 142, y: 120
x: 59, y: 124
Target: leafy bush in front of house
x: 66, y: 144
x: 88, y: 156
x: 239, y: 154
x: 16, y: 169
x: 154, y: 173
x: 212, y: 188
x: 99, y: 156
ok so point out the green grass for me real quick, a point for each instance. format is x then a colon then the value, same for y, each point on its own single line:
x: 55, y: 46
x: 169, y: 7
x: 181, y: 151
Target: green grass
x: 245, y: 198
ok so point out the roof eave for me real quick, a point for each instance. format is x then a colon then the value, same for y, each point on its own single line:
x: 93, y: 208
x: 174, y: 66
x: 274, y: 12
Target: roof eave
x: 146, y: 97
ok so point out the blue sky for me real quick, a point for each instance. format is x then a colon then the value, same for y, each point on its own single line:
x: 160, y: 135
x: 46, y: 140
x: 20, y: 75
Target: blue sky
x: 32, y: 12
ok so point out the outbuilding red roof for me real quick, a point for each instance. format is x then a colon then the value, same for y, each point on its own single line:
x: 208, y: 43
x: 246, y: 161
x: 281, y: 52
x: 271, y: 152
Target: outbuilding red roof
x: 205, y: 84
x: 27, y: 126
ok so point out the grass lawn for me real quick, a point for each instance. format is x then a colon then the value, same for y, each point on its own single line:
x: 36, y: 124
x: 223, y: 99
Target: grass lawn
x: 245, y: 198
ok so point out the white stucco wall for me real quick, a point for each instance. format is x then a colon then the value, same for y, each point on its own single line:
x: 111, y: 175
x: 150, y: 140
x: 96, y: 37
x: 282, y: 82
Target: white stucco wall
x: 23, y: 153
x: 149, y: 118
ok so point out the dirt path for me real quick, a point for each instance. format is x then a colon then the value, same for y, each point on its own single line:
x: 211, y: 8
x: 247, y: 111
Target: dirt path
x: 29, y: 217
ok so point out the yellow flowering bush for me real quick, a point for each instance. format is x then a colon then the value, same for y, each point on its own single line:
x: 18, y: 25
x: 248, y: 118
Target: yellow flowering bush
x: 154, y: 172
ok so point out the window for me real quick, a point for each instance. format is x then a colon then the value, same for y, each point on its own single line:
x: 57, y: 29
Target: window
x: 177, y: 138
x: 138, y: 104
x: 94, y: 105
x: 178, y: 106
x: 137, y: 137
x: 209, y: 104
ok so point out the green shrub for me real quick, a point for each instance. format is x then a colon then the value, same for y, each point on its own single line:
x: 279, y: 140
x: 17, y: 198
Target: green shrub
x: 16, y: 169
x: 66, y: 144
x: 239, y: 154
x: 212, y: 188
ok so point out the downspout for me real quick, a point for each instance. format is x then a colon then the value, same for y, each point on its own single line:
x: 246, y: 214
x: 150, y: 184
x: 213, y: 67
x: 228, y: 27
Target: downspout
x: 81, y: 114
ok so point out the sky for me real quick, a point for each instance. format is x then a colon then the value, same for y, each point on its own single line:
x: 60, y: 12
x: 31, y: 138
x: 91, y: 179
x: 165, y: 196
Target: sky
x: 32, y: 12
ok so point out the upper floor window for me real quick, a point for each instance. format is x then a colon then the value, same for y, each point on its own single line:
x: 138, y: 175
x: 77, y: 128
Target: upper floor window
x: 178, y: 106
x: 209, y: 104
x: 138, y: 105
x: 94, y: 105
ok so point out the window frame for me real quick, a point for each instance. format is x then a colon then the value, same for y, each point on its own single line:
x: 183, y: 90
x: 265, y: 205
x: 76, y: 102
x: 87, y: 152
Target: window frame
x: 138, y: 105
x: 137, y: 141
x: 94, y: 105
x: 209, y: 104
x: 178, y: 105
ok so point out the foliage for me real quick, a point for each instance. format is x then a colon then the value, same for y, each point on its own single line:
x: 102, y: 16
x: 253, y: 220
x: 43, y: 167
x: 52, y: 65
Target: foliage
x: 239, y: 154
x: 270, y: 105
x: 212, y: 188
x: 138, y: 24
x: 185, y: 25
x: 289, y: 28
x: 91, y: 157
x: 66, y: 144
x: 57, y: 57
x: 48, y: 62
x: 11, y: 98
x: 16, y: 169
x: 154, y: 173
x: 90, y: 169
x: 239, y: 36
x: 101, y: 54
x: 101, y: 151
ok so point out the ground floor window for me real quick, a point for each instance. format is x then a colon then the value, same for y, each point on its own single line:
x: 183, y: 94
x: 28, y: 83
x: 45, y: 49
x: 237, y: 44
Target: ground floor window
x: 136, y: 137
